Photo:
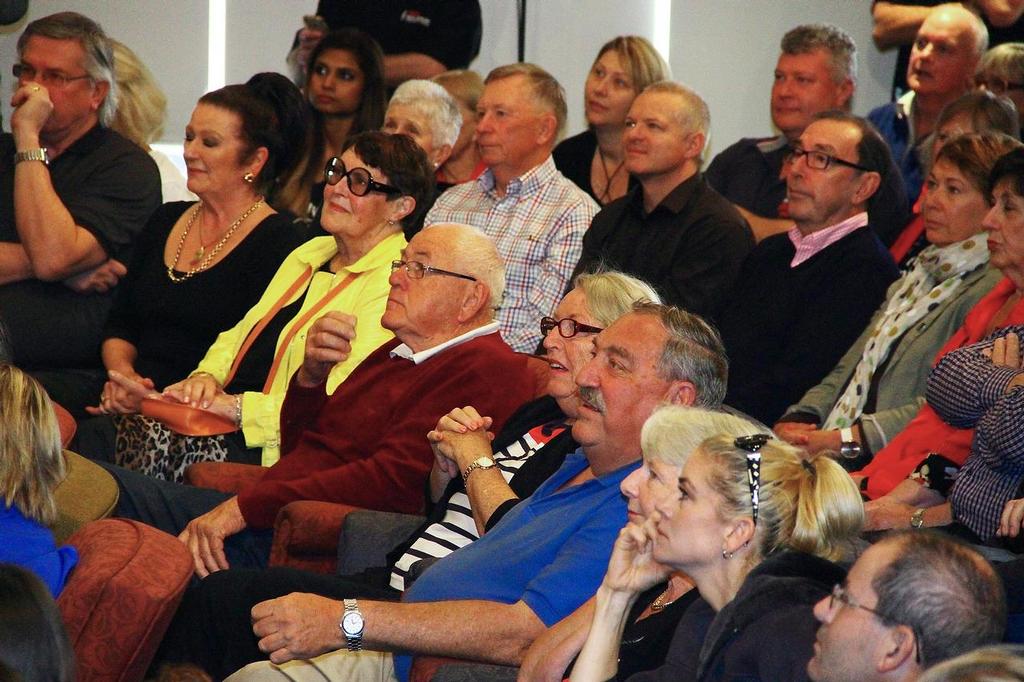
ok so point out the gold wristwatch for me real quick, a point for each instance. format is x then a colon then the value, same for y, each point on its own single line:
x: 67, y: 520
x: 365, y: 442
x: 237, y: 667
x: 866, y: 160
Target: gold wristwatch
x: 37, y: 154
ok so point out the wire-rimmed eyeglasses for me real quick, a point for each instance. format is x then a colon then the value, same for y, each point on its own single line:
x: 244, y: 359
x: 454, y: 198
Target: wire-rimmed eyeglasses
x: 567, y: 327
x: 360, y: 183
x: 416, y: 270
x: 51, y: 79
x: 842, y: 595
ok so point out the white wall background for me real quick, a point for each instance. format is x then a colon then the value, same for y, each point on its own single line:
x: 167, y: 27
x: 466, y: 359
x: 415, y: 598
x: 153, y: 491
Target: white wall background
x: 725, y: 49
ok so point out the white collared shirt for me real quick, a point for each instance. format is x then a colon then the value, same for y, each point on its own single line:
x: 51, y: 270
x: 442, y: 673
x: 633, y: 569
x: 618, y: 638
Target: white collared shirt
x: 403, y: 350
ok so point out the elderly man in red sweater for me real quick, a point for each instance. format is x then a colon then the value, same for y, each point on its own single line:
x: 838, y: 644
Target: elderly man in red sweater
x: 366, y: 444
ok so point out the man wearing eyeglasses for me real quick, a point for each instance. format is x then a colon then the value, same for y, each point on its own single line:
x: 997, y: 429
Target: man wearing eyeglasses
x: 73, y: 194
x: 816, y: 71
x: 365, y: 444
x: 910, y: 601
x: 803, y: 297
x: 673, y: 231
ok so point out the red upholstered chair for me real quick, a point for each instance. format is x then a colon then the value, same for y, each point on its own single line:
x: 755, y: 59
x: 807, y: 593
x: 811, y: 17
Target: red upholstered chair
x: 305, y: 532
x: 121, y: 596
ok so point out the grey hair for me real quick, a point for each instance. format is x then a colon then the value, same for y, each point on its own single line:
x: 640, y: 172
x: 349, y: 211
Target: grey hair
x: 841, y: 48
x: 996, y: 663
x: 1004, y: 61
x: 547, y: 91
x: 694, y: 114
x: 610, y: 295
x: 694, y: 352
x: 99, y: 54
x: 474, y: 253
x: 946, y: 592
x: 434, y: 103
x: 673, y: 432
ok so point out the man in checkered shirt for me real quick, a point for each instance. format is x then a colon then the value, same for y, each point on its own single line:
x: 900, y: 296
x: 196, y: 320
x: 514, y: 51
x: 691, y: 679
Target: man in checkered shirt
x: 534, y: 214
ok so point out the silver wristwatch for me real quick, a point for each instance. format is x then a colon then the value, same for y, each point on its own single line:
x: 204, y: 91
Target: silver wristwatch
x: 352, y: 625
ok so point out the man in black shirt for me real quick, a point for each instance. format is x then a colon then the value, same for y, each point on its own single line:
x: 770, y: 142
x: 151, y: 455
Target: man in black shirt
x: 674, y: 231
x: 72, y: 195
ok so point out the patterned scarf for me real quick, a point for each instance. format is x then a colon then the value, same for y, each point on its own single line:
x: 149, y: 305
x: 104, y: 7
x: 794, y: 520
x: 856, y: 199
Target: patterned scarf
x: 933, y: 277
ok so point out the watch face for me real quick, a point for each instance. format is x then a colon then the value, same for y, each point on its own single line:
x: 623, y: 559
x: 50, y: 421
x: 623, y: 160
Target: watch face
x: 352, y: 623
x: 484, y: 462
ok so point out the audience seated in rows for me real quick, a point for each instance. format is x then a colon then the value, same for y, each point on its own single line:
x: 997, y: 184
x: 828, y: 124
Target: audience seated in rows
x: 926, y: 453
x: 81, y: 195
x: 910, y: 601
x: 975, y: 112
x: 534, y: 214
x: 464, y: 164
x: 430, y: 116
x: 878, y: 385
x: 226, y: 247
x: 756, y: 529
x: 596, y: 158
x: 672, y: 230
x: 346, y: 95
x: 803, y: 297
x: 344, y: 276
x: 490, y: 599
x: 816, y: 72
x: 470, y: 494
x: 946, y: 51
x: 362, y: 445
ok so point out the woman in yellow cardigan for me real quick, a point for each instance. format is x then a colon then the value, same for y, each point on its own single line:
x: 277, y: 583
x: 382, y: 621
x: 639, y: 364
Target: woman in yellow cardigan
x: 381, y: 185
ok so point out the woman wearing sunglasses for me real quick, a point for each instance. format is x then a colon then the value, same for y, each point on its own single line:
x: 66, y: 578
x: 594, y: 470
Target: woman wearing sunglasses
x: 380, y: 185
x: 755, y: 528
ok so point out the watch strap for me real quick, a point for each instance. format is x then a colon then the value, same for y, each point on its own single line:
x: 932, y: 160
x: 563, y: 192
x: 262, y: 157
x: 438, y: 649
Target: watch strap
x: 476, y: 464
x: 37, y: 154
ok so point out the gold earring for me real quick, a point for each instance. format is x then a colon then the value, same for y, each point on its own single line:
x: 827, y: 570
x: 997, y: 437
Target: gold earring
x: 249, y: 177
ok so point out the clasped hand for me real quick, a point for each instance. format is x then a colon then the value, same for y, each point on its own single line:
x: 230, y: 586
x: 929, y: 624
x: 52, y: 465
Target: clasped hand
x: 460, y: 437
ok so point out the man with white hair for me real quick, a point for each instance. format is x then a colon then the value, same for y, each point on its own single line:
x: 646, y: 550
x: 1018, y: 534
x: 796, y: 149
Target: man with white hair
x: 673, y: 231
x: 942, y: 61
x: 364, y: 445
x: 72, y: 195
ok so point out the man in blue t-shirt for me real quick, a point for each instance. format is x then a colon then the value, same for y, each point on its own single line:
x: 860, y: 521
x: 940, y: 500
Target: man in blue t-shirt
x: 488, y: 601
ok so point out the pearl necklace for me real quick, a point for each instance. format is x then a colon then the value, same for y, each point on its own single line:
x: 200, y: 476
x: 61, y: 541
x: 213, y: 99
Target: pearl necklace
x: 178, y: 279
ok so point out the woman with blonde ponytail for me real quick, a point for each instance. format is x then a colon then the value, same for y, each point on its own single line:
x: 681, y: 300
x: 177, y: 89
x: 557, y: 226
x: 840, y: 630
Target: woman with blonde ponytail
x: 757, y: 529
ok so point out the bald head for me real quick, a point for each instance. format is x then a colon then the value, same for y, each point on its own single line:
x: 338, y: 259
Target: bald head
x: 946, y: 51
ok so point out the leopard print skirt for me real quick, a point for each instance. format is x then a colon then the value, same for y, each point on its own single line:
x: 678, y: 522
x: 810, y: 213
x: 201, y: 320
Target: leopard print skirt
x: 148, y: 446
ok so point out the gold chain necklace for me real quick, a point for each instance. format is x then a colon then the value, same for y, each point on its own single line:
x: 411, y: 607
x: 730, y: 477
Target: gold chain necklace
x: 178, y: 279
x: 663, y: 600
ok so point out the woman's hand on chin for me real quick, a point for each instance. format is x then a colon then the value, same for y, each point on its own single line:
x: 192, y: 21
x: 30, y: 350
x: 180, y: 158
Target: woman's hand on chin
x: 632, y: 567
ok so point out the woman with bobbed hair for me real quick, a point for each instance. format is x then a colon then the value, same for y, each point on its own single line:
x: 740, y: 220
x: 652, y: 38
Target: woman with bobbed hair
x: 141, y: 110
x: 345, y: 94
x: 879, y: 384
x: 34, y: 645
x: 380, y: 186
x: 31, y: 467
x: 425, y: 111
x: 756, y: 528
x: 595, y: 159
x: 464, y: 164
x: 1001, y: 72
x: 974, y: 112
